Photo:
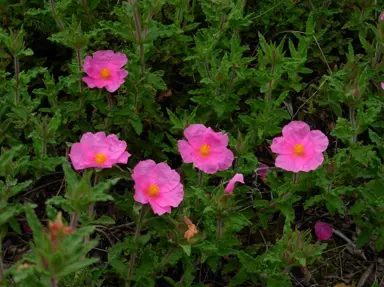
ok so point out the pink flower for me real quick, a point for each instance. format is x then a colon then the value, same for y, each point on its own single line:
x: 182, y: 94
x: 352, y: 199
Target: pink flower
x: 299, y: 149
x: 323, y: 231
x: 98, y: 150
x: 382, y: 16
x: 262, y: 171
x: 206, y: 148
x: 238, y: 177
x: 382, y: 84
x: 105, y: 70
x: 26, y: 228
x: 158, y: 185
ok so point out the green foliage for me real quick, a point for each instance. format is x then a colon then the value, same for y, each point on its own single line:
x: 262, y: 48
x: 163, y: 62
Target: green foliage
x: 245, y: 68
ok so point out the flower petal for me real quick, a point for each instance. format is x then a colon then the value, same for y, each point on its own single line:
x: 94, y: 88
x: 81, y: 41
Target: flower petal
x: 172, y: 197
x: 185, y: 151
x: 319, y: 140
x: 159, y: 210
x: 194, y: 134
x: 215, y: 139
x: 143, y: 169
x: 281, y: 146
x: 238, y: 177
x: 296, y: 131
x: 323, y: 230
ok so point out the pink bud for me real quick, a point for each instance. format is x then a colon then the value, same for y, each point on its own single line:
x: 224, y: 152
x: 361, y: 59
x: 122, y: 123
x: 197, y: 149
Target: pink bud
x: 262, y: 171
x: 323, y: 231
x: 238, y: 177
x: 26, y: 228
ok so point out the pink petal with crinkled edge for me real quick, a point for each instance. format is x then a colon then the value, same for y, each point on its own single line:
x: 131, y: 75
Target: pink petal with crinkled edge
x: 194, y: 134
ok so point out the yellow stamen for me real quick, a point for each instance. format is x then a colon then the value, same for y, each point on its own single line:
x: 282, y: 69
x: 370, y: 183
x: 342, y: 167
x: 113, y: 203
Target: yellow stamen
x: 298, y: 149
x: 153, y: 190
x: 100, y: 158
x: 105, y: 73
x: 205, y: 149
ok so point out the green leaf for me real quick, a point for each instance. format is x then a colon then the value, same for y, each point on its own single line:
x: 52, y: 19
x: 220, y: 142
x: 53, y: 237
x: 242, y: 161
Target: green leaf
x: 18, y: 188
x: 103, y: 220
x: 119, y: 266
x: 343, y: 130
x: 85, y: 262
x: 364, y: 236
x: 137, y: 124
x: 9, y: 212
x: 54, y: 124
x: 35, y: 225
x: 187, y: 249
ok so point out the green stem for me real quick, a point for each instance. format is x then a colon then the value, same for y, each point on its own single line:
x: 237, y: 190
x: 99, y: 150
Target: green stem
x: 219, y: 228
x: 55, y: 16
x: 17, y: 79
x: 109, y: 101
x: 296, y: 176
x: 85, y: 4
x: 200, y: 178
x: 1, y: 259
x: 133, y: 255
x: 54, y: 282
x: 80, y: 67
x: 139, y: 37
x: 74, y: 220
x: 91, y: 206
x: 222, y: 22
x: 352, y: 119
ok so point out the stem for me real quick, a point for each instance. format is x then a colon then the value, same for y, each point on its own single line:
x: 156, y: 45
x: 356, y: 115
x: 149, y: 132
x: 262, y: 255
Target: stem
x: 352, y: 119
x: 85, y: 4
x: 142, y: 62
x: 186, y: 11
x: 296, y: 176
x: 219, y: 228
x: 17, y: 79
x: 1, y: 259
x: 80, y: 67
x: 231, y: 82
x: 133, y: 255
x: 55, y: 16
x: 200, y: 178
x: 199, y: 183
x: 223, y: 16
x: 74, y: 220
x: 54, y: 282
x: 109, y: 100
x: 139, y: 37
x: 236, y: 165
x: 91, y: 207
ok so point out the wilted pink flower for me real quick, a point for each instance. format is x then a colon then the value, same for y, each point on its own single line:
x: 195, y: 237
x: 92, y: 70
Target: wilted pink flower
x: 299, y: 149
x: 98, y: 150
x: 323, y: 230
x: 158, y: 185
x: 238, y: 177
x: 105, y: 70
x: 26, y: 228
x: 262, y: 171
x: 206, y: 148
x: 382, y: 16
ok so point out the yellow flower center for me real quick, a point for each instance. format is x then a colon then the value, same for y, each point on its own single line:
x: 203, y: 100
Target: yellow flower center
x: 205, y: 149
x: 298, y: 149
x: 105, y: 73
x: 100, y: 158
x: 153, y: 190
